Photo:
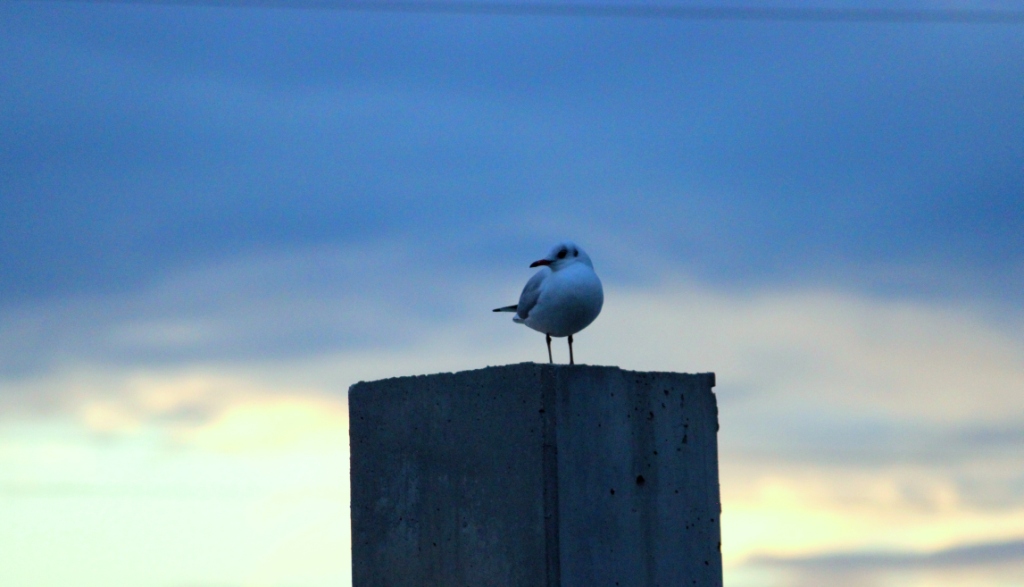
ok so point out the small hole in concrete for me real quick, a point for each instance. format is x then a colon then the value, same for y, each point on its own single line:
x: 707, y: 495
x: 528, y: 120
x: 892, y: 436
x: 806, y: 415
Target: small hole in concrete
x: 640, y: 480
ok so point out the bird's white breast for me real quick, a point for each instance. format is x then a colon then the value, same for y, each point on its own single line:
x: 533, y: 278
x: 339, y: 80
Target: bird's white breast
x: 569, y: 301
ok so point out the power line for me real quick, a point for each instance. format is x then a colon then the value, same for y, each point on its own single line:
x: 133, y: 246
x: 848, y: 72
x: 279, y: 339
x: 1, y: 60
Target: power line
x: 608, y: 10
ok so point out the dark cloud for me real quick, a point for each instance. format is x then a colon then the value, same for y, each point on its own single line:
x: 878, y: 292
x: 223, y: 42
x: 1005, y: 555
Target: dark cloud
x: 976, y: 459
x: 141, y: 140
x: 859, y: 439
x: 1009, y: 552
x: 269, y: 307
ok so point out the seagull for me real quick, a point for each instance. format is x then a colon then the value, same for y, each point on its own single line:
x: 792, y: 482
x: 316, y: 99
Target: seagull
x: 562, y: 298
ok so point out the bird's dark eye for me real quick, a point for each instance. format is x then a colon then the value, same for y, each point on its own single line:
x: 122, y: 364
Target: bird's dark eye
x: 575, y: 253
x: 562, y: 253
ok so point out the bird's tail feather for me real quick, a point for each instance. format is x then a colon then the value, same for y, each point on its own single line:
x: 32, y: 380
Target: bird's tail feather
x: 507, y: 309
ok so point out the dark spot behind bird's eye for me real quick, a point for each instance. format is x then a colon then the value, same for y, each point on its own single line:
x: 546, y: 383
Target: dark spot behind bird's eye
x: 562, y: 253
x: 575, y: 253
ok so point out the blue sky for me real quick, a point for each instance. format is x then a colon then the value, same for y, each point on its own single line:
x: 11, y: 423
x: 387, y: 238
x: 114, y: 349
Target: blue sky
x: 210, y: 217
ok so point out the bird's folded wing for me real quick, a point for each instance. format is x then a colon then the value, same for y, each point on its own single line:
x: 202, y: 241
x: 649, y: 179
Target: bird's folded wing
x: 531, y: 293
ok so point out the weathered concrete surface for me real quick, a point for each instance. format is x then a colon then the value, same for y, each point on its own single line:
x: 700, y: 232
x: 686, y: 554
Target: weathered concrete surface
x: 535, y: 475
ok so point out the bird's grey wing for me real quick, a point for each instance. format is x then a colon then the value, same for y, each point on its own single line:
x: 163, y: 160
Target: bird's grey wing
x: 531, y: 293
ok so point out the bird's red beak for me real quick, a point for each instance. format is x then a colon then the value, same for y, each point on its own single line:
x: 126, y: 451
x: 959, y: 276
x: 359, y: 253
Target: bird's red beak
x: 539, y: 263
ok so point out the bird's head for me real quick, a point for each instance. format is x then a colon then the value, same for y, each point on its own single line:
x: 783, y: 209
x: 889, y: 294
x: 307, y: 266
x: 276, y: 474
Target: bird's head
x: 562, y: 255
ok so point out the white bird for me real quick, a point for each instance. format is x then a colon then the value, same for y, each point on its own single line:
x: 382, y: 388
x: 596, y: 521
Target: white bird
x: 561, y: 299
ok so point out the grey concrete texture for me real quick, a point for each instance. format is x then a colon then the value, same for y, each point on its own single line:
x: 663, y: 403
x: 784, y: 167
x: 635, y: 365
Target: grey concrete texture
x: 535, y: 475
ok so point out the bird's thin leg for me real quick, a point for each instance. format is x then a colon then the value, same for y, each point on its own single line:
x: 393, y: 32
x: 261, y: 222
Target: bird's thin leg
x: 550, y: 360
x: 571, y: 362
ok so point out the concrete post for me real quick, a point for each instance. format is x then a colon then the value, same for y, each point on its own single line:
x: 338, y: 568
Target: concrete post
x: 535, y: 475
